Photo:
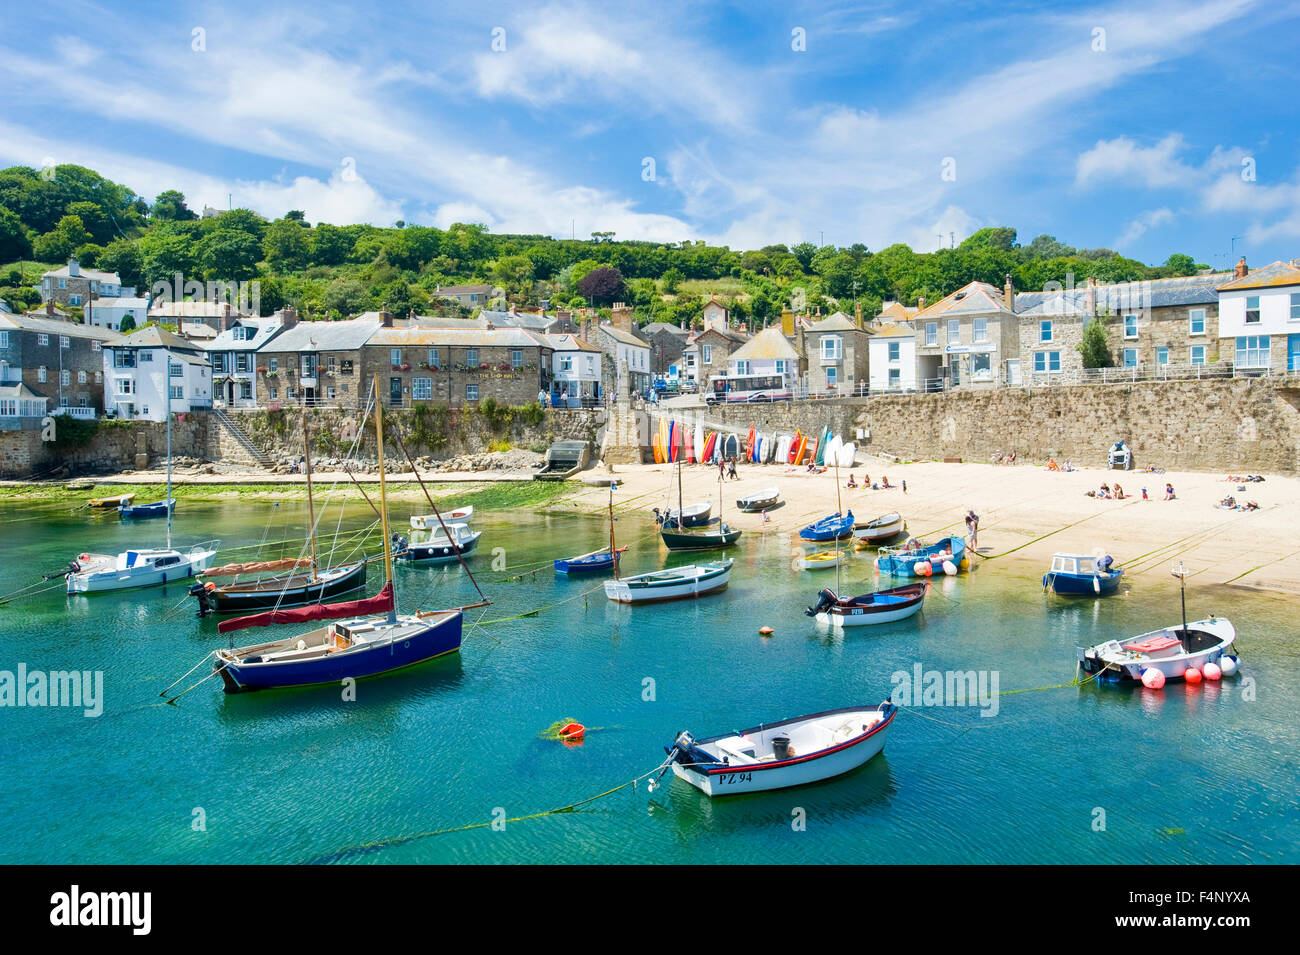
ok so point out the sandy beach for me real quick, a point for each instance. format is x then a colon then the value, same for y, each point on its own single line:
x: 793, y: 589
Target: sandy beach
x: 1026, y: 513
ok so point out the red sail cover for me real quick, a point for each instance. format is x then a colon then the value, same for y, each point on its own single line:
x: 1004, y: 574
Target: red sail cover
x: 381, y: 602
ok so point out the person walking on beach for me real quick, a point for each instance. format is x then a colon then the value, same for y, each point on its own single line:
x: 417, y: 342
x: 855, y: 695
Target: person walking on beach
x: 904, y: 485
x: 973, y: 529
x: 731, y: 469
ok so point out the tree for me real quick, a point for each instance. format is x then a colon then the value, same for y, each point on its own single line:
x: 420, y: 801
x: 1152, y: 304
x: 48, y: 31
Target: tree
x: 128, y: 324
x: 1180, y: 264
x: 996, y: 237
x: 601, y: 285
x: 14, y: 243
x: 514, y: 273
x: 285, y: 246
x: 1093, y: 347
x: 170, y: 206
x: 344, y: 296
x: 330, y: 244
x: 164, y: 252
x: 229, y: 254
x: 59, y: 244
x: 123, y: 257
x: 672, y: 280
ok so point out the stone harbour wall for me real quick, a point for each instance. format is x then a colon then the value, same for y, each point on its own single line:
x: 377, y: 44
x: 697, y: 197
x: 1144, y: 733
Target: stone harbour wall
x: 114, y: 448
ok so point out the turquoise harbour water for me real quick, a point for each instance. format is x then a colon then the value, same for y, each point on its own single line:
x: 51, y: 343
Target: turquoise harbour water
x: 1186, y: 775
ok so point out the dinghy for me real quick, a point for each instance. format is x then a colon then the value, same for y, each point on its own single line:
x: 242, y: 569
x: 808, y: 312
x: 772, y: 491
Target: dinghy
x: 140, y: 511
x: 675, y: 583
x: 1082, y: 575
x: 598, y: 561
x: 883, y: 528
x: 759, y: 500
x: 794, y: 752
x: 439, y: 545
x: 684, y: 538
x: 833, y: 527
x: 824, y: 560
x: 427, y: 522
x: 917, y: 559
x: 696, y: 515
x: 882, y: 606
x: 115, y: 501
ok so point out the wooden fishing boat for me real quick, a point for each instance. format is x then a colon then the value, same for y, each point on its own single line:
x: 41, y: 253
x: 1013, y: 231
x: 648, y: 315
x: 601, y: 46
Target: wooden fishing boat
x: 793, y: 752
x: 1082, y: 575
x: 759, y: 500
x: 140, y: 511
x: 1172, y: 651
x: 883, y: 528
x: 824, y: 560
x: 882, y: 606
x: 833, y: 527
x: 368, y: 639
x: 677, y: 538
x: 696, y: 515
x: 427, y: 522
x: 117, y: 500
x: 439, y: 545
x: 917, y: 559
x: 277, y: 590
x: 598, y: 561
x: 675, y: 583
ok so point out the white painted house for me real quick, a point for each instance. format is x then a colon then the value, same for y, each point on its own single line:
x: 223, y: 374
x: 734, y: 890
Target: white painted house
x: 233, y: 355
x: 109, y: 312
x: 767, y: 354
x: 1259, y: 318
x: 142, y: 369
x: 576, y: 369
x: 892, y: 364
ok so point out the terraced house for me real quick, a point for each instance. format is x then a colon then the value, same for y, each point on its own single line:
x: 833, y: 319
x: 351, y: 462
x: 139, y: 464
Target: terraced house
x: 73, y: 285
x: 59, y: 362
x: 316, y: 363
x: 838, y: 356
x: 971, y: 338
x: 1259, y: 318
x: 457, y: 367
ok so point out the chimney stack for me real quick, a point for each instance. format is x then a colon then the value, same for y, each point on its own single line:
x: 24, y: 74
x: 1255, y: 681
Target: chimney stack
x: 288, y: 316
x: 74, y: 267
x: 1090, y: 297
x: 621, y: 316
x: 386, y: 318
x: 586, y: 329
x: 1241, y: 270
x: 920, y: 304
x: 49, y: 308
x: 226, y: 320
x: 857, y: 313
x: 787, y: 323
x: 1009, y: 294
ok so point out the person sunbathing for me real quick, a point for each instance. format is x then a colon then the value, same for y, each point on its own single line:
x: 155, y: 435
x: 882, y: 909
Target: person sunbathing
x: 884, y: 481
x: 852, y: 483
x: 1052, y: 465
x: 1119, y: 493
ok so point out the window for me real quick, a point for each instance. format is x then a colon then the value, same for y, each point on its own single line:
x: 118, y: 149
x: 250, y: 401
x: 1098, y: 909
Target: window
x: 176, y: 392
x: 1047, y: 361
x: 65, y: 377
x: 123, y: 386
x: 981, y: 329
x: 742, y: 368
x: 1197, y: 355
x: 780, y: 366
x: 421, y: 389
x: 8, y: 408
x: 81, y: 377
x: 895, y: 378
x: 832, y: 347
x: 434, y: 360
x: 65, y: 341
x: 96, y: 346
x: 1196, y: 321
x: 1130, y: 326
x: 1295, y: 306
x: 566, y: 363
x: 706, y: 354
x: 471, y: 358
x: 1252, y: 309
x: 174, y: 370
x: 1162, y: 355
x: 99, y: 377
x: 471, y: 392
x: 63, y: 283
x: 241, y: 363
x: 329, y: 393
x: 1045, y: 331
x: 274, y: 364
x: 981, y: 367
x: 954, y: 330
x: 272, y: 393
x: 123, y: 359
x: 331, y: 364
x: 1130, y: 357
x: 41, y: 373
x: 4, y: 339
x: 895, y: 351
x: 932, y: 333
x: 517, y: 358
x: 245, y: 390
x: 74, y: 299
x: 42, y: 339
x: 1252, y: 351
x: 832, y: 376
x: 146, y: 356
x: 394, y: 356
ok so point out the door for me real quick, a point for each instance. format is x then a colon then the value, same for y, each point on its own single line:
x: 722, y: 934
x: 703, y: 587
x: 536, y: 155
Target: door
x: 394, y: 391
x: 1293, y: 353
x: 1013, y: 371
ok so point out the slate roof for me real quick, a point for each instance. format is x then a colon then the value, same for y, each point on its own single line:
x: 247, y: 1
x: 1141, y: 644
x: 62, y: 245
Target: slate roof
x: 153, y: 336
x: 655, y: 327
x: 539, y: 323
x: 895, y: 330
x: 1276, y: 275
x: 90, y: 275
x: 569, y: 343
x: 767, y: 344
x: 839, y: 322
x: 267, y: 328
x: 1156, y: 293
x: 40, y: 322
x: 626, y: 338
x: 459, y: 337
x: 349, y: 335
x: 974, y: 298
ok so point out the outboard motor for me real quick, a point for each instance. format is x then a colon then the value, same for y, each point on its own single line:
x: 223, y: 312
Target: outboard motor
x: 825, y: 600
x: 1105, y: 563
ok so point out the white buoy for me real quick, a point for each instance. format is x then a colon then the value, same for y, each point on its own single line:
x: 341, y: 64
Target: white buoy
x: 949, y: 568
x: 1152, y: 678
x: 1211, y: 671
x: 1228, y: 665
x: 919, y: 568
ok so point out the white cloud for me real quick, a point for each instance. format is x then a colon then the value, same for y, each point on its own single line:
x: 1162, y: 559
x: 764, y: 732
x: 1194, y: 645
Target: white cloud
x: 1150, y: 219
x: 1123, y: 159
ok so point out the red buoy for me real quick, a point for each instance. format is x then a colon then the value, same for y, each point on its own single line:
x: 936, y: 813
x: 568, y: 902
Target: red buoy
x: 572, y: 731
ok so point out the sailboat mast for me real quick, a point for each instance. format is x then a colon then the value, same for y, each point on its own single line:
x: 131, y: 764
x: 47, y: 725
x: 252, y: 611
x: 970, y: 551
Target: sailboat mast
x: 311, y: 504
x: 613, y: 550
x: 167, y: 383
x: 383, y: 501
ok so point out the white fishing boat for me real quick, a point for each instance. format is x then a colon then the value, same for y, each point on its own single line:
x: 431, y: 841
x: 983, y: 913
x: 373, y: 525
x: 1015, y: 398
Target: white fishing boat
x: 439, y: 545
x: 824, y: 560
x: 425, y: 522
x: 675, y: 583
x: 759, y: 500
x: 794, y: 752
x: 141, y: 566
x: 883, y: 528
x: 882, y: 606
x: 693, y: 515
x: 1167, y: 654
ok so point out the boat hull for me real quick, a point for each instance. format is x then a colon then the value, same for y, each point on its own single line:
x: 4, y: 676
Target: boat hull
x: 884, y: 606
x: 881, y: 529
x: 676, y: 541
x: 1207, y: 641
x: 131, y: 578
x: 659, y: 586
x: 414, y: 641
x: 903, y: 563
x: 735, y: 780
x: 831, y: 528
x: 601, y: 563
x: 1082, y: 585
x: 157, y: 509
x: 283, y: 591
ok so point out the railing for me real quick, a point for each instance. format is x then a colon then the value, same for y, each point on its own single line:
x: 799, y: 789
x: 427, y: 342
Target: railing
x: 1134, y: 373
x: 82, y: 414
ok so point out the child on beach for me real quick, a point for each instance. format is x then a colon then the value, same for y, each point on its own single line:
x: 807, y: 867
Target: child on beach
x: 852, y: 483
x: 1169, y: 492
x: 884, y: 481
x: 1144, y: 495
x: 972, y: 528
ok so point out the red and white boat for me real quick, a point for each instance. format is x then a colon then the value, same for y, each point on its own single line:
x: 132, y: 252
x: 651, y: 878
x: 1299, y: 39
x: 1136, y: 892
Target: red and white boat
x: 794, y: 752
x: 882, y: 606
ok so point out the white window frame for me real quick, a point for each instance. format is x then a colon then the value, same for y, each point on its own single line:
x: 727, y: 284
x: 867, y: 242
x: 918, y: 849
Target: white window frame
x: 65, y: 341
x: 1127, y: 336
x: 1127, y: 353
x: 832, y: 348
x: 1255, y: 309
x: 1258, y: 355
x: 894, y: 351
x: 931, y: 333
x: 1192, y: 320
x: 1048, y: 358
x: 471, y: 392
x: 1045, y: 331
x: 394, y: 356
x: 81, y: 377
x: 42, y: 374
x: 952, y: 334
x: 42, y: 340
x: 421, y: 389
x: 706, y: 354
x: 1162, y: 355
x: 1295, y: 307
x: 981, y: 330
x: 1193, y: 358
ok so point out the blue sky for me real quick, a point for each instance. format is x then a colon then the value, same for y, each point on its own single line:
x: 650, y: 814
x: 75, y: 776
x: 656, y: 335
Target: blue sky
x: 1123, y: 125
